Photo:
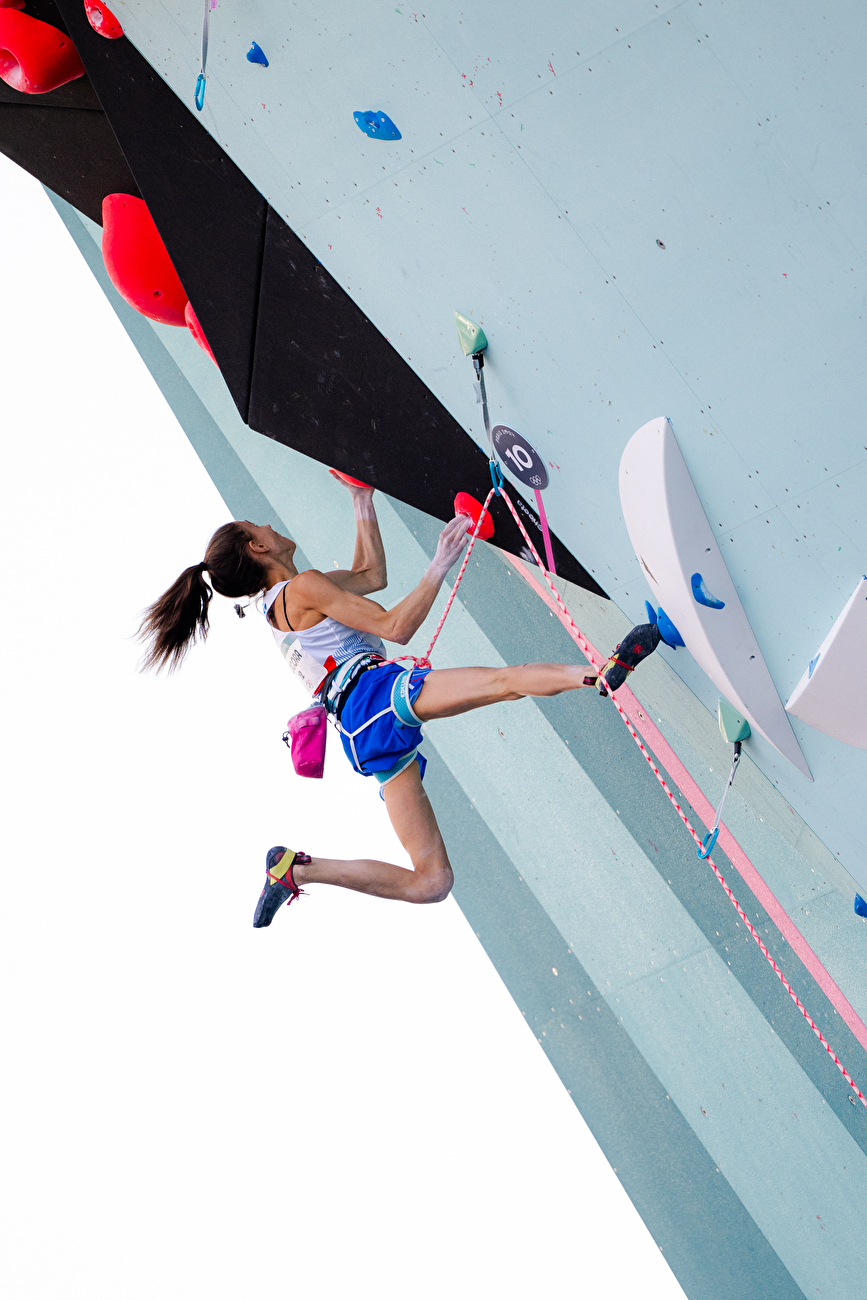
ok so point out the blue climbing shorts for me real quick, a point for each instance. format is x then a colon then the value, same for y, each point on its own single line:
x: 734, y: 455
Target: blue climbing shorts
x: 378, y: 726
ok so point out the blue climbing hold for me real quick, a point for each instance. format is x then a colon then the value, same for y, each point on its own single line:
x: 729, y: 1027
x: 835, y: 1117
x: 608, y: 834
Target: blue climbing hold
x: 256, y: 54
x: 813, y: 663
x: 378, y: 126
x: 702, y: 595
x: 860, y: 906
x: 667, y: 631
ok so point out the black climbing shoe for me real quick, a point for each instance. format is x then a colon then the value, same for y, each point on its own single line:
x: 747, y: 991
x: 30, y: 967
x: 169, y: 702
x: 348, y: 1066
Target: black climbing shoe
x: 635, y: 646
x: 280, y: 884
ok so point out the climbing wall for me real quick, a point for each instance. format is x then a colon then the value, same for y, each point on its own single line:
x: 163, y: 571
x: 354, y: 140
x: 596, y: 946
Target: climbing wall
x: 650, y: 209
x: 727, y: 1122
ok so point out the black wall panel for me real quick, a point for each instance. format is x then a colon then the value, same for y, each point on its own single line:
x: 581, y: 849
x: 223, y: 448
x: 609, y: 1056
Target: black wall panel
x: 328, y: 383
x: 71, y: 150
x: 211, y: 218
x: 63, y: 138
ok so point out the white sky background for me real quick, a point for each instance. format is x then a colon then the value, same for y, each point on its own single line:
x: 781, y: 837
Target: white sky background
x: 346, y: 1104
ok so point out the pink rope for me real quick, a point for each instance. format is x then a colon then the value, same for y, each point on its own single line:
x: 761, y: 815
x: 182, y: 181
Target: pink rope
x: 580, y: 640
x: 597, y: 662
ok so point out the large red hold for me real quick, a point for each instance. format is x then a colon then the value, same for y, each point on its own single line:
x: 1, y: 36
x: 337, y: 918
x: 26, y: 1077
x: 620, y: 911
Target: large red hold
x: 101, y: 19
x: 137, y: 260
x: 197, y: 332
x: 469, y: 506
x: 34, y: 56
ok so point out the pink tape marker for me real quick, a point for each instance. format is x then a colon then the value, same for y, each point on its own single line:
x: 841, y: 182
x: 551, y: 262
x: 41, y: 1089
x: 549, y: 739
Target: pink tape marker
x: 546, y: 534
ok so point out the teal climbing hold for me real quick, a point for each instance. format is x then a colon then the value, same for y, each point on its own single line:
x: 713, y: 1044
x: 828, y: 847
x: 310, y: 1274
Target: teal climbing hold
x: 733, y: 727
x: 472, y: 336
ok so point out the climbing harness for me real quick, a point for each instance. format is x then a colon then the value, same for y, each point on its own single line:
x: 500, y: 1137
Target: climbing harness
x: 203, y: 61
x: 706, y: 847
x: 398, y: 704
x: 582, y: 643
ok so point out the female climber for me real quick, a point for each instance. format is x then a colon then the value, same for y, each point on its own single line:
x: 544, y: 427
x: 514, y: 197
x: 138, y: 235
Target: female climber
x: 379, y: 707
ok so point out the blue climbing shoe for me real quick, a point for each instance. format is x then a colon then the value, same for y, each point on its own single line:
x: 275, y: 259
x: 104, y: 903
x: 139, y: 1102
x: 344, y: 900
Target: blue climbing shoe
x: 280, y: 884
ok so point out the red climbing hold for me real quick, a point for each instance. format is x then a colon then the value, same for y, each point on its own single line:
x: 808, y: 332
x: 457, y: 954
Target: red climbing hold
x: 198, y: 333
x: 469, y: 506
x: 101, y: 19
x: 347, y: 478
x: 34, y: 56
x: 137, y: 261
x: 19, y: 4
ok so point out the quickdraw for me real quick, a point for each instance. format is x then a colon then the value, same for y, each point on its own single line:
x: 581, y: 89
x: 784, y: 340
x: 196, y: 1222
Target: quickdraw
x: 201, y: 80
x: 706, y: 847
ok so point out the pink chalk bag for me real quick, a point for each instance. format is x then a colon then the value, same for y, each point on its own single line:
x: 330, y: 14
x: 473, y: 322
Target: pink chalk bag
x: 306, y: 734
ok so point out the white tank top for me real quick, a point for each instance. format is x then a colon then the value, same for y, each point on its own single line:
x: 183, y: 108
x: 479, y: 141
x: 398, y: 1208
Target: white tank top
x: 306, y: 651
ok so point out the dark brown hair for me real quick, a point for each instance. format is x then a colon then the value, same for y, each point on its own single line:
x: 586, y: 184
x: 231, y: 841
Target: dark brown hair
x: 172, y: 624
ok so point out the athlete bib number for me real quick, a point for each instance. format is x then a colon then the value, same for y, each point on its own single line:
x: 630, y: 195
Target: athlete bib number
x: 308, y: 670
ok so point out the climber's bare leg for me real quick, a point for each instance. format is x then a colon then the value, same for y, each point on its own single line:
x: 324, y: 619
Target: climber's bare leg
x: 413, y: 819
x: 449, y: 691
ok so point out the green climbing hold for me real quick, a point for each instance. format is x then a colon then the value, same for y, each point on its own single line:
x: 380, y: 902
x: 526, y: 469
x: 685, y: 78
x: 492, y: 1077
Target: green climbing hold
x: 471, y: 336
x: 732, y: 726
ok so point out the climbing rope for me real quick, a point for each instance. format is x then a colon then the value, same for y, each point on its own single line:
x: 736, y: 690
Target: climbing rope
x: 424, y: 661
x: 580, y: 640
x: 592, y: 657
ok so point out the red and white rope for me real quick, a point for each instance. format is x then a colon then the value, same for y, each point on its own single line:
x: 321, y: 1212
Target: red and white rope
x: 580, y: 640
x: 424, y: 661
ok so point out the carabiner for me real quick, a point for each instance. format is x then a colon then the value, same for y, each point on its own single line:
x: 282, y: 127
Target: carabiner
x: 496, y: 476
x: 707, y: 844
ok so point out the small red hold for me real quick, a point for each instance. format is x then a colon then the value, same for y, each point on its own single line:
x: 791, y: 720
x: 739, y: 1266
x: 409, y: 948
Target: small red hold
x: 469, y: 506
x: 102, y: 20
x: 138, y: 262
x: 347, y: 478
x: 198, y: 333
x: 11, y: 4
x: 34, y: 56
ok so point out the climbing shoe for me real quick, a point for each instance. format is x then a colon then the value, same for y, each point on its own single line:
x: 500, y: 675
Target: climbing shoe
x: 635, y: 646
x: 280, y: 884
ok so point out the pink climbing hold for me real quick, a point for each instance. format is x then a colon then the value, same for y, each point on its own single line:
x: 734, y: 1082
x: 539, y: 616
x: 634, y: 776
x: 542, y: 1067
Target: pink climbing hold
x: 34, y: 56
x: 198, y: 333
x: 102, y: 20
x: 469, y: 506
x: 138, y: 262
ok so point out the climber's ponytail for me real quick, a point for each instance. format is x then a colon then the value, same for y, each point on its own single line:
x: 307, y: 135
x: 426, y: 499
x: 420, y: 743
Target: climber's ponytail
x: 172, y: 624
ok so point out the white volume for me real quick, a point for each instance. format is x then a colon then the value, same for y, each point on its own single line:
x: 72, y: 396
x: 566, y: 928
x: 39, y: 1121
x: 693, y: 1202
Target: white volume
x: 687, y: 574
x: 832, y: 694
